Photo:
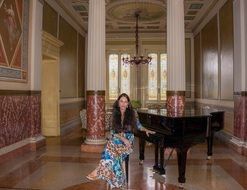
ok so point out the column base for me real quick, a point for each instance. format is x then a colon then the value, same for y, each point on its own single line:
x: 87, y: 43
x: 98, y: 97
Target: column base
x: 93, y: 145
x: 101, y: 141
x: 92, y: 148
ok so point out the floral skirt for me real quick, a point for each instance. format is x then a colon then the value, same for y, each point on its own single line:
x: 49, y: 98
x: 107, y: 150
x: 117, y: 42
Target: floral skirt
x: 110, y: 166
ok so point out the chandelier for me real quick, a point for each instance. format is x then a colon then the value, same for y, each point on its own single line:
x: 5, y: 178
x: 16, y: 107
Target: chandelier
x: 136, y: 59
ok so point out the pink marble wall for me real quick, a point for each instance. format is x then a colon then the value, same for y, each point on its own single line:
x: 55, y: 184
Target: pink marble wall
x: 240, y: 116
x: 20, y: 118
x: 95, y: 115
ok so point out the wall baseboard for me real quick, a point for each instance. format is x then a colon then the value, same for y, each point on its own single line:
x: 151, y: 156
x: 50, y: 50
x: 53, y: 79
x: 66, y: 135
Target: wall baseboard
x: 21, y: 147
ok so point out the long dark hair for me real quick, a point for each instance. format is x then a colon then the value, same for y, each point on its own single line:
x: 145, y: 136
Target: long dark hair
x: 129, y: 116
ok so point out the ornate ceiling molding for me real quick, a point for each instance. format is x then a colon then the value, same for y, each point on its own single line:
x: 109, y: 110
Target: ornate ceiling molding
x: 120, y: 14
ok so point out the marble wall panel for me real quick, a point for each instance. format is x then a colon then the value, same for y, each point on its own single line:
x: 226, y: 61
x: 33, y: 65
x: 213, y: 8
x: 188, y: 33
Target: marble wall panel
x: 226, y: 51
x: 68, y: 60
x: 197, y: 54
x: 50, y: 20
x: 210, y: 72
x: 240, y: 116
x: 81, y: 66
x: 19, y: 118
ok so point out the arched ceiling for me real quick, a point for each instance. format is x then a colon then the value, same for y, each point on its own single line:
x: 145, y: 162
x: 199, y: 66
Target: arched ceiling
x: 120, y: 14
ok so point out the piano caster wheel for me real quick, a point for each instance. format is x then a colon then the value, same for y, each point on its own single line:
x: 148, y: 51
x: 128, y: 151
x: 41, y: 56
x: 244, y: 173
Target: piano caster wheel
x: 209, y: 157
x: 181, y: 185
x: 141, y: 162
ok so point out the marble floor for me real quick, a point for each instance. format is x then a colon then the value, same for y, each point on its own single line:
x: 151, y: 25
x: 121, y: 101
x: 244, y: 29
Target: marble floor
x: 61, y: 165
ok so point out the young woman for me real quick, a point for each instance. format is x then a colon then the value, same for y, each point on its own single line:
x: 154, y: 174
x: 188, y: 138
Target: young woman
x: 120, y: 145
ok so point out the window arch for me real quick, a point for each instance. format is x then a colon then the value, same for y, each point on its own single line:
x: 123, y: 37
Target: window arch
x: 119, y: 75
x: 163, y: 76
x: 125, y: 76
x: 113, y: 76
x: 157, y: 77
x: 152, y: 78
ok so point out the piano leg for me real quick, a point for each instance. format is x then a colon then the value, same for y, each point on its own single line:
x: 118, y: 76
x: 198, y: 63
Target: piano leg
x: 142, y: 143
x: 181, y: 157
x: 161, y: 167
x: 156, y: 154
x: 210, y: 146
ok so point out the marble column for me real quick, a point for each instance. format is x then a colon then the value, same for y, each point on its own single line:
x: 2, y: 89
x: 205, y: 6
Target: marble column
x: 35, y: 57
x: 239, y: 140
x: 175, y: 56
x: 96, y: 74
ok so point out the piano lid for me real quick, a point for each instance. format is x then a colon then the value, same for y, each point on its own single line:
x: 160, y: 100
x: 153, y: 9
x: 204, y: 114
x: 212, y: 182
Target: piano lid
x: 186, y: 112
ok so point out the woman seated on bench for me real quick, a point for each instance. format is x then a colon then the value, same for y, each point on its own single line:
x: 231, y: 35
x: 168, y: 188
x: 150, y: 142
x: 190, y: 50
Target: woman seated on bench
x: 120, y: 145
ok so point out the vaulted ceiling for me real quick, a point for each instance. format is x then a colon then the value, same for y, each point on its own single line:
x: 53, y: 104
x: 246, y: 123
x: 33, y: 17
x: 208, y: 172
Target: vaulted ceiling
x: 120, y: 14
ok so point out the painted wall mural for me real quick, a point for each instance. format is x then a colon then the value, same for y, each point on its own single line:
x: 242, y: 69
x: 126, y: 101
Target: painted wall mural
x: 13, y: 40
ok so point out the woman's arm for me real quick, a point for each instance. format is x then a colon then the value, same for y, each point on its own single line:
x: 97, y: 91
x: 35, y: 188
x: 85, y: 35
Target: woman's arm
x: 122, y: 138
x: 140, y: 127
x: 147, y: 131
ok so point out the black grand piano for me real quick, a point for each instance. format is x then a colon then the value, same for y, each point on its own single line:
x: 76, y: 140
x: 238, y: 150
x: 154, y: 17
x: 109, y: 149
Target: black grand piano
x: 179, y: 131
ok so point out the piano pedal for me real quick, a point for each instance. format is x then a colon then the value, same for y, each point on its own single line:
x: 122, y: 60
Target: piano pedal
x: 181, y: 185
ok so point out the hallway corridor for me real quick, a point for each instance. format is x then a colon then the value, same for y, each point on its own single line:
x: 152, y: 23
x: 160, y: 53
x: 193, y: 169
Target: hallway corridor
x: 61, y: 165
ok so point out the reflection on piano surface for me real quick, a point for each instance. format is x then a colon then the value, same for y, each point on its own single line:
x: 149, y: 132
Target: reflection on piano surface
x: 179, y: 131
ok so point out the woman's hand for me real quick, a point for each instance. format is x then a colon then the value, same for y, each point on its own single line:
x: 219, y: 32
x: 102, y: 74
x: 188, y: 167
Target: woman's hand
x: 126, y: 142
x: 147, y: 131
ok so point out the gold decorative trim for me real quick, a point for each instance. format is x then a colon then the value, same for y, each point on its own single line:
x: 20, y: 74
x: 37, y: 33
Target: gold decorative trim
x: 96, y: 92
x: 172, y: 93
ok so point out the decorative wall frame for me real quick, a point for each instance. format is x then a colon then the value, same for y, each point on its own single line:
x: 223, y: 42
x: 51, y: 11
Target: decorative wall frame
x: 14, y: 16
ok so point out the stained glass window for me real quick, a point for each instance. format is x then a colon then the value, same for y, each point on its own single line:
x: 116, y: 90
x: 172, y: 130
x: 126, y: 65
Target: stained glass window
x: 125, y: 76
x: 163, y: 76
x: 152, y: 77
x: 113, y: 76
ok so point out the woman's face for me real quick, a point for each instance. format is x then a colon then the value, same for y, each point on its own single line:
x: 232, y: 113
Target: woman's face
x: 123, y: 103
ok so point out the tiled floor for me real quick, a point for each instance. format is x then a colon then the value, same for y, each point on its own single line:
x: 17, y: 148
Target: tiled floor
x: 61, y: 165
